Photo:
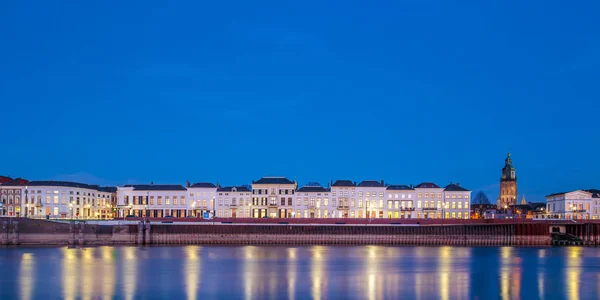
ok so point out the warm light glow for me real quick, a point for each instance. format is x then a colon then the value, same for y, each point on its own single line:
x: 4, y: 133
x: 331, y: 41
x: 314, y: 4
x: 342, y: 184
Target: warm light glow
x: 129, y: 271
x: 192, y: 271
x: 26, y: 276
x: 317, y: 271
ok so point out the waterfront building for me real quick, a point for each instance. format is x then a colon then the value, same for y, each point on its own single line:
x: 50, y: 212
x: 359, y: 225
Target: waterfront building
x: 314, y: 201
x: 400, y: 201
x: 343, y: 192
x: 371, y: 197
x: 457, y: 202
x: 429, y: 201
x: 153, y: 200
x: 578, y: 204
x: 64, y: 199
x: 508, y: 185
x: 202, y: 198
x: 12, y: 192
x: 233, y: 202
x: 273, y: 197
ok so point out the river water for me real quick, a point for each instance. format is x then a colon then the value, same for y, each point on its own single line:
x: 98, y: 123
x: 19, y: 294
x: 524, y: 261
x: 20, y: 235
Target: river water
x: 299, y: 272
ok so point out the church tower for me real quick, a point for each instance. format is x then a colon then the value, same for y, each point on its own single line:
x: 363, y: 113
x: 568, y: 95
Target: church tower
x: 508, y: 184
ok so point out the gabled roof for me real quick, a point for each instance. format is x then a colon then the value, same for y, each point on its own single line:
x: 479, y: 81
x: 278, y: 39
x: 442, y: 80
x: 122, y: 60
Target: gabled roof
x: 16, y: 182
x: 313, y: 189
x: 273, y: 180
x: 562, y: 193
x: 230, y: 189
x: 455, y: 188
x: 399, y: 187
x: 156, y: 187
x: 105, y: 189
x: 203, y: 185
x: 370, y: 183
x: 427, y: 185
x: 5, y: 179
x: 595, y: 193
x: 108, y: 189
x: 344, y: 183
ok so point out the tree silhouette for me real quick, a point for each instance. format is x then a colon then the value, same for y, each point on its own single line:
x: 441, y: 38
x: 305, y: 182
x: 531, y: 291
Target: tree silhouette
x: 481, y: 198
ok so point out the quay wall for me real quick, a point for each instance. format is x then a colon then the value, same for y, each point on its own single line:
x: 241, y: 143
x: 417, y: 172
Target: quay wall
x: 21, y: 231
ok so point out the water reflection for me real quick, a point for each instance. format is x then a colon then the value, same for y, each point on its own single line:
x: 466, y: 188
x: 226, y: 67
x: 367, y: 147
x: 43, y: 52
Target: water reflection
x: 311, y: 272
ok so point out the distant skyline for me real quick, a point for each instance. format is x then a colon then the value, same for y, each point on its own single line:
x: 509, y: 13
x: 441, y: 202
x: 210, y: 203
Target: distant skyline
x: 115, y: 93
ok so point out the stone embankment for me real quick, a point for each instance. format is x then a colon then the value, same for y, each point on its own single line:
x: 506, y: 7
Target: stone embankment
x: 41, y: 232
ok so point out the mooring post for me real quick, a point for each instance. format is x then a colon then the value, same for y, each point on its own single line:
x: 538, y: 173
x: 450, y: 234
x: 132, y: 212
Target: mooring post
x: 147, y: 239
x: 15, y: 238
x: 81, y: 233
x: 4, y: 233
x: 140, y: 236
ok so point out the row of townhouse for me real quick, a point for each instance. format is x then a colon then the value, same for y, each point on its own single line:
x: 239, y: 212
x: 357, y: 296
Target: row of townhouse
x: 573, y: 205
x: 57, y: 199
x: 279, y: 197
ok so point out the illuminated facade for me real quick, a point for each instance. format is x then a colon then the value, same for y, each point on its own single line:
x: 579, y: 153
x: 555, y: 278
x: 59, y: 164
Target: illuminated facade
x: 202, y: 198
x: 314, y: 201
x: 12, y: 193
x: 272, y: 197
x: 579, y: 205
x: 64, y: 199
x: 153, y: 200
x: 233, y: 202
x: 508, y: 185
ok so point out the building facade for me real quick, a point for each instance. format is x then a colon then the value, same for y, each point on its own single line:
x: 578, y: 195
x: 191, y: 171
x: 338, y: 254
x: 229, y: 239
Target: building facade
x: 314, y: 201
x: 69, y: 200
x: 457, y: 202
x: 430, y: 201
x: 272, y: 197
x: 153, y: 200
x: 370, y: 199
x: 233, y: 202
x: 202, y: 197
x: 574, y: 205
x: 401, y: 202
x: 343, y: 193
x: 12, y: 194
x: 508, y: 185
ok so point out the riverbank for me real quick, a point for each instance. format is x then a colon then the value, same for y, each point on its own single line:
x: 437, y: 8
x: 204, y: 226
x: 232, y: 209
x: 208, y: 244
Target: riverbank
x: 42, y: 232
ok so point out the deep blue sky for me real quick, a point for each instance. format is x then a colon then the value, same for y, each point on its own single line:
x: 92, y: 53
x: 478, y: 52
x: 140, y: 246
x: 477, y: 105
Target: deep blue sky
x: 113, y: 93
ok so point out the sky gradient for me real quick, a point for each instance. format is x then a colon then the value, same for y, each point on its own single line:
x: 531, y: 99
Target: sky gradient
x: 108, y: 92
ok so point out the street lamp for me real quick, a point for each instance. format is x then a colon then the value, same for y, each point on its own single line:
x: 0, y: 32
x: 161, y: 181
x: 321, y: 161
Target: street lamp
x: 26, y: 209
x: 26, y: 201
x: 71, y: 208
x: 146, y: 209
x: 505, y: 207
x: 193, y: 209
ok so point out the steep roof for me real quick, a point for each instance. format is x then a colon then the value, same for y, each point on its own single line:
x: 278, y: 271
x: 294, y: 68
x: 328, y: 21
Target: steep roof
x: 230, y: 189
x: 399, y: 187
x: 16, y: 182
x: 203, y: 185
x: 156, y: 187
x: 313, y: 189
x: 595, y: 193
x: 273, y: 180
x: 344, y: 183
x: 455, y: 188
x: 5, y: 179
x: 371, y: 183
x: 427, y: 185
x: 106, y: 189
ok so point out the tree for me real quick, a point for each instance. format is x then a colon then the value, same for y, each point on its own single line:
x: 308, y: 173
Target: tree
x: 481, y: 198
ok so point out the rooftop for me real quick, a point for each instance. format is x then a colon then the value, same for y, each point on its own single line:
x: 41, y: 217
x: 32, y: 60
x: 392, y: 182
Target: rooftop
x: 455, y: 188
x: 399, y: 187
x: 344, y: 183
x: 313, y: 189
x: 273, y: 180
x: 156, y: 187
x: 371, y: 183
x: 230, y: 189
x: 106, y: 189
x: 16, y: 182
x: 5, y: 179
x: 203, y: 185
x: 427, y: 185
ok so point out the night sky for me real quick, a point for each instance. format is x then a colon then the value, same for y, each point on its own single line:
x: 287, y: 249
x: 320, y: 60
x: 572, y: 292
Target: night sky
x: 107, y: 92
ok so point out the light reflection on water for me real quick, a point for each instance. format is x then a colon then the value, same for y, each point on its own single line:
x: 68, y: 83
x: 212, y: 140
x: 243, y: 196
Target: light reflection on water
x: 300, y: 272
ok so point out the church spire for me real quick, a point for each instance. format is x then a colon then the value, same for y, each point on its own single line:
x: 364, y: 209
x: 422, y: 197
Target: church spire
x: 523, y: 202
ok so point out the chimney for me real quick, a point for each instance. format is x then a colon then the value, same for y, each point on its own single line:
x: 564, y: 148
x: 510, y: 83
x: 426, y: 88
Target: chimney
x: 382, y: 182
x: 331, y: 182
x: 458, y: 183
x: 151, y: 182
x: 411, y: 186
x: 187, y: 184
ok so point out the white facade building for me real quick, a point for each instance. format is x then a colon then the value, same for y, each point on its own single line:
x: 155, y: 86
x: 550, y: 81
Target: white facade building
x: 429, y: 201
x: 343, y: 193
x: 273, y: 197
x: 314, y: 201
x: 457, y: 202
x: 202, y: 196
x: 63, y: 199
x: 154, y: 201
x: 234, y: 202
x: 579, y: 204
x: 371, y: 199
x: 400, y: 202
